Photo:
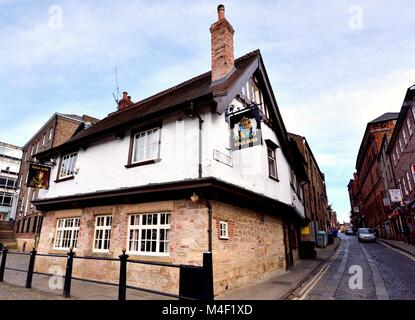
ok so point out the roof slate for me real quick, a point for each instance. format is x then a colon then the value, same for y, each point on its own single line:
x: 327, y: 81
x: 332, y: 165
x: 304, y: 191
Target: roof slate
x: 185, y: 92
x: 386, y: 117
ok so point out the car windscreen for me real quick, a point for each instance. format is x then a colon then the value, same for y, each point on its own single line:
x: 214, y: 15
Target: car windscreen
x: 364, y: 231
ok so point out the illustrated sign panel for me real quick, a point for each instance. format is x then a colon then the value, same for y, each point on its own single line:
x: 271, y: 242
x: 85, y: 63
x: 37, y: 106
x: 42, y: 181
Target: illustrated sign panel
x: 245, y: 129
x: 395, y: 195
x: 38, y: 177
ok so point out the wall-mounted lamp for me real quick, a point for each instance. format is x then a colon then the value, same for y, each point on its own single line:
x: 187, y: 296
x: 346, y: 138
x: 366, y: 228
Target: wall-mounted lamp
x: 194, y: 197
x: 119, y: 135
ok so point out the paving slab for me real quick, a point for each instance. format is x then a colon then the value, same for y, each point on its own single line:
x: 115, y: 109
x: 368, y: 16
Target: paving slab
x: 280, y: 286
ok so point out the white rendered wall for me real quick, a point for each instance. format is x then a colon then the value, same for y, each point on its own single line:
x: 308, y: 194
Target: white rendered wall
x: 102, y: 165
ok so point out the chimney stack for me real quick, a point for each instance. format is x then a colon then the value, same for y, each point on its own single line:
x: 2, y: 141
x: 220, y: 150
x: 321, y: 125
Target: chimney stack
x: 125, y: 102
x: 222, y: 47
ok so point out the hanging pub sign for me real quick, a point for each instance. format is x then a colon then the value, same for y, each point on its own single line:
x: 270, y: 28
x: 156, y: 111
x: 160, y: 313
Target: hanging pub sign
x: 245, y: 129
x: 38, y: 177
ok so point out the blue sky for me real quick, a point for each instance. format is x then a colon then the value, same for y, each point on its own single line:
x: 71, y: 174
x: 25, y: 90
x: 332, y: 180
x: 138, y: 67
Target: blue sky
x: 334, y: 65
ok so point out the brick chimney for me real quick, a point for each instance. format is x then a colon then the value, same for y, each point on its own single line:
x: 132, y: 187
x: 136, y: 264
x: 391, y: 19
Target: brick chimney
x: 125, y: 102
x: 222, y: 47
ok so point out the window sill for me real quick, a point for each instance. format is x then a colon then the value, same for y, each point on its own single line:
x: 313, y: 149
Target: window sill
x: 58, y: 251
x: 223, y: 238
x: 99, y: 255
x: 143, y: 163
x: 64, y: 179
x: 136, y: 257
x: 275, y: 179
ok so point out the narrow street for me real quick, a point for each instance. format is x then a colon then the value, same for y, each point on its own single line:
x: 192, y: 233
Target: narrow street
x: 362, y: 271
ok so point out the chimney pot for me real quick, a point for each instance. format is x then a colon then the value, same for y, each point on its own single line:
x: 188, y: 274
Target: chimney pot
x: 221, y: 12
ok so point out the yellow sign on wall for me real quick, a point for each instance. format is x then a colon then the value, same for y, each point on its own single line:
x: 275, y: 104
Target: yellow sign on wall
x: 305, y: 231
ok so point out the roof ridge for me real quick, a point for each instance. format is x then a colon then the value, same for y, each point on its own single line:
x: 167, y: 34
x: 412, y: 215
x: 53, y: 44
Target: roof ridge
x: 182, y: 84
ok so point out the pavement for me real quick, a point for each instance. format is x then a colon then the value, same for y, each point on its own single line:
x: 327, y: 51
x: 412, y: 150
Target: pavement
x: 408, y: 248
x: 48, y: 288
x: 386, y: 271
x: 362, y: 271
x: 281, y: 286
x: 278, y: 287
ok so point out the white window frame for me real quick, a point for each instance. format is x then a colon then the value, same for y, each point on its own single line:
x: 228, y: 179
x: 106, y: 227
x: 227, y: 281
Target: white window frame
x: 394, y: 158
x: 106, y: 226
x: 32, y: 198
x: 274, y: 159
x: 223, y: 230
x: 409, y: 124
x: 69, y: 171
x: 61, y: 228
x: 156, y: 130
x: 405, y: 137
x: 138, y: 235
x: 408, y: 177
x: 44, y: 139
x: 405, y: 186
x: 50, y: 133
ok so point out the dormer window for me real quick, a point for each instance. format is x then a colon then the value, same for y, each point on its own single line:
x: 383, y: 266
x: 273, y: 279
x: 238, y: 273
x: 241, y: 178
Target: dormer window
x: 253, y: 93
x: 67, y: 168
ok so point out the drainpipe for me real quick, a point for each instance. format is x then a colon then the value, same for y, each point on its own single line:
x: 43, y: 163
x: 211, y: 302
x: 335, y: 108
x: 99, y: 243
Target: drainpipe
x: 201, y: 121
x: 209, y: 206
x: 207, y: 203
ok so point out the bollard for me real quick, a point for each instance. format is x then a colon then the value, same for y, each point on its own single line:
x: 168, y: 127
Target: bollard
x: 208, y: 294
x: 3, y: 263
x: 30, y: 269
x: 68, y: 275
x: 122, y: 287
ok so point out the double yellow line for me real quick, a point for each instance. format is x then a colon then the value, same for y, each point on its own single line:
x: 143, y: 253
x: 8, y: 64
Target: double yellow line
x: 310, y: 286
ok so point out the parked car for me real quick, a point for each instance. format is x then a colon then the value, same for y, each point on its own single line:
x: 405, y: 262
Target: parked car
x: 365, y: 234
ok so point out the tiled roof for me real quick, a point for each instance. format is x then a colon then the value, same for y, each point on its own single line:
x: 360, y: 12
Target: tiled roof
x: 386, y: 117
x: 185, y: 92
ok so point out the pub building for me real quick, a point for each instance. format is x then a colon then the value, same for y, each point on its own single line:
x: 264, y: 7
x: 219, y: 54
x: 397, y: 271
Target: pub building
x: 205, y: 166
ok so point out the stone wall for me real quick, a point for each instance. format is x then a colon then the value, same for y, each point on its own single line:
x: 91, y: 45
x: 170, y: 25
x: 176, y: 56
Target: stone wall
x: 255, y: 248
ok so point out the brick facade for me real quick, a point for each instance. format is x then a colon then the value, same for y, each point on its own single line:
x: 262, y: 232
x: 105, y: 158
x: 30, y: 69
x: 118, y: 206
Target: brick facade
x: 255, y: 248
x: 401, y: 151
x: 371, y: 189
x: 315, y: 194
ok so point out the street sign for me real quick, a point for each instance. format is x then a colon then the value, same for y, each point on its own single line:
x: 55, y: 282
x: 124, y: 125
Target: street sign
x: 222, y: 158
x: 305, y: 231
x: 396, y: 195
